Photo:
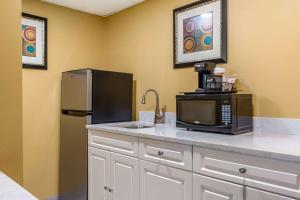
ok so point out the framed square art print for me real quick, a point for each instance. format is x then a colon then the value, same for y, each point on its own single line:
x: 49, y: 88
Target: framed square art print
x: 34, y: 42
x: 200, y: 33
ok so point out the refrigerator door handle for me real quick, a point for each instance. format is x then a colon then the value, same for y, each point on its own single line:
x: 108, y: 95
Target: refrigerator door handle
x: 77, y: 113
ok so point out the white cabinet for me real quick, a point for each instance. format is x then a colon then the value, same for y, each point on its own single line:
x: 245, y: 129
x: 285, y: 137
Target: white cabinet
x: 159, y: 182
x: 253, y: 194
x: 205, y: 188
x: 166, y: 153
x: 99, y: 174
x: 112, y: 176
x: 124, y: 177
x: 130, y: 168
x: 123, y: 144
x: 271, y: 175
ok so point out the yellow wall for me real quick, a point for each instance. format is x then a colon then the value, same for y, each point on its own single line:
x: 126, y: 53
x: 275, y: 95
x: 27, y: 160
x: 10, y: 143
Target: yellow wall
x: 264, y: 40
x: 11, y: 89
x: 75, y: 40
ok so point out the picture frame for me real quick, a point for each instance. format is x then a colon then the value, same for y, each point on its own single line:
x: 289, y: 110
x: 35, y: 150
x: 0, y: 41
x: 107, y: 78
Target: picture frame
x: 200, y: 33
x: 34, y: 42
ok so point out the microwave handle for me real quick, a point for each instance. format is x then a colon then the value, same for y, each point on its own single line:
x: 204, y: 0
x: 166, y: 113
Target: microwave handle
x: 203, y: 126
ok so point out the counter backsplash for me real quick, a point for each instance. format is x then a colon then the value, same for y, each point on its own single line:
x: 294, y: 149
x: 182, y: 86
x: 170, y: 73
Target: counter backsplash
x: 265, y: 124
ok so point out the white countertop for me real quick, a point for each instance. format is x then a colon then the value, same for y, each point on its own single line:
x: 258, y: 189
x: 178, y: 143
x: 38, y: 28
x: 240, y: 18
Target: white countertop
x: 283, y: 146
x: 10, y: 190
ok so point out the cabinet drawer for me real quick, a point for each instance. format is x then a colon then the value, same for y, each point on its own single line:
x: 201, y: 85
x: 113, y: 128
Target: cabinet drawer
x: 261, y: 195
x: 206, y: 188
x: 123, y: 144
x: 170, y: 154
x: 159, y: 182
x: 262, y: 173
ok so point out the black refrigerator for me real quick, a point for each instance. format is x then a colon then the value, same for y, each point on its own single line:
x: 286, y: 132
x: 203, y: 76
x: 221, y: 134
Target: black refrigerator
x: 87, y: 97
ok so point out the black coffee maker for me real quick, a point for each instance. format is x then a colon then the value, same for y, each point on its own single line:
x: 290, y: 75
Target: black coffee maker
x: 205, y: 70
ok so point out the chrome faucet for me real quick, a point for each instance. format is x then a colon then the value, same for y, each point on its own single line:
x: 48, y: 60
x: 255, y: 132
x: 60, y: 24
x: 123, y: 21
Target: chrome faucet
x: 158, y: 118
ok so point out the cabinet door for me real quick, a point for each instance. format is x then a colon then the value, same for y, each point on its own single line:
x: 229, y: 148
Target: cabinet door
x: 99, y: 173
x: 124, y: 177
x: 205, y: 188
x: 252, y: 194
x: 159, y: 182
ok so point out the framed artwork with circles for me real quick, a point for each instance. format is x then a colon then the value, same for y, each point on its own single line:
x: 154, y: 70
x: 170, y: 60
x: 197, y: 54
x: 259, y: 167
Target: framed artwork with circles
x: 34, y: 42
x: 200, y: 33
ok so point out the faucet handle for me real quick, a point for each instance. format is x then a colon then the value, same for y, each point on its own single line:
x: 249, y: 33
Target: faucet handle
x: 164, y: 110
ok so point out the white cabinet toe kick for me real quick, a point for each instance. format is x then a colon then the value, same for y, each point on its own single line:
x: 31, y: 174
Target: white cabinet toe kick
x: 125, y: 167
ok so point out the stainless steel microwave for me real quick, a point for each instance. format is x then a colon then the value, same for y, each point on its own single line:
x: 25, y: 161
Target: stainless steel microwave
x: 228, y: 113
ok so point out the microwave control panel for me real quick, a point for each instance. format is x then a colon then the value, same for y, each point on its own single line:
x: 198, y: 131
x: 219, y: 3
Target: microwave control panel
x: 226, y: 114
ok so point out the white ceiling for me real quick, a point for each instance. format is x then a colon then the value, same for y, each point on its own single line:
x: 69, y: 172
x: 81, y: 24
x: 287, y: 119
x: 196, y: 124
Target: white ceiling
x: 97, y: 7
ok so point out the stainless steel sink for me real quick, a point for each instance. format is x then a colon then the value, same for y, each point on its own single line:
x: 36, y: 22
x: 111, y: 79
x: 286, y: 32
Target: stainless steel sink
x: 135, y: 125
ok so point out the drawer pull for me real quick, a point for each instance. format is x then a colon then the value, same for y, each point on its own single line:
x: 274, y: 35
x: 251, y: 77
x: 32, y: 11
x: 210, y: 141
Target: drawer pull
x: 160, y: 153
x: 242, y: 170
x: 105, y: 188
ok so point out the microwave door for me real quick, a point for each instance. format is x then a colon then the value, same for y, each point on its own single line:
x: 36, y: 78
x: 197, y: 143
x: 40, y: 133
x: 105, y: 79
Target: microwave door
x: 198, y: 112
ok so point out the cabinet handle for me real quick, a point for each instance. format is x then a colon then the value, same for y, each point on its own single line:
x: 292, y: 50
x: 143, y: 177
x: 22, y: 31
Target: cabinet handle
x: 110, y: 193
x: 160, y: 153
x: 105, y: 193
x: 242, y: 170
